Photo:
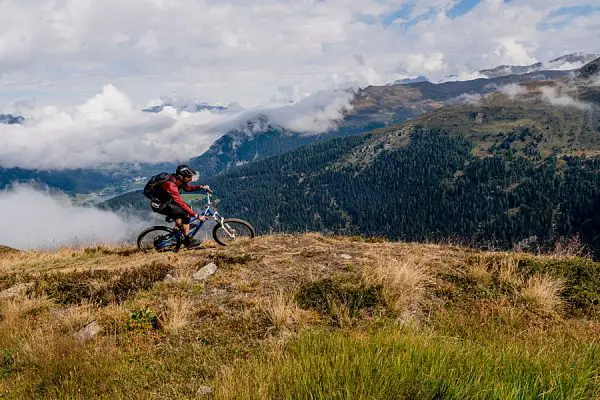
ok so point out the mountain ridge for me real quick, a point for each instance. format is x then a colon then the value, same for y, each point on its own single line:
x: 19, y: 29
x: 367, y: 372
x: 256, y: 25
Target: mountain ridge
x: 10, y: 119
x: 566, y: 62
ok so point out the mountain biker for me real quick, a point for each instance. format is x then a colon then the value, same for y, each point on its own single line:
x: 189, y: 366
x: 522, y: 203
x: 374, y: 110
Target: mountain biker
x: 167, y: 200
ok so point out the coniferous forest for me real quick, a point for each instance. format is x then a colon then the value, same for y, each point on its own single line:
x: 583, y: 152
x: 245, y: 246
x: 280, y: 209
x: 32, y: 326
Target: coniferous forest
x: 431, y: 189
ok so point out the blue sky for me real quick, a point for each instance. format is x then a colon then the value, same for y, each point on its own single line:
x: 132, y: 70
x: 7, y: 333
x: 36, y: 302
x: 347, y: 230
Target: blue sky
x: 558, y: 18
x: 462, y: 7
x: 406, y: 13
x: 562, y: 16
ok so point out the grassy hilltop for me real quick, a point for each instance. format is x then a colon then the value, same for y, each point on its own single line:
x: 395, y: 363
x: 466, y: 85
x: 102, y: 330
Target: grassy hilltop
x: 300, y: 316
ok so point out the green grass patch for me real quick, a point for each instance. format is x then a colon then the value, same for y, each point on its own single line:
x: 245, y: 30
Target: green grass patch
x: 332, y: 297
x: 402, y: 364
x: 582, y: 281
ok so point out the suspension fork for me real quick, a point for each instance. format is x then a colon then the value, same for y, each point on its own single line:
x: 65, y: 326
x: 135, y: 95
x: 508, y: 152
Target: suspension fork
x: 221, y: 221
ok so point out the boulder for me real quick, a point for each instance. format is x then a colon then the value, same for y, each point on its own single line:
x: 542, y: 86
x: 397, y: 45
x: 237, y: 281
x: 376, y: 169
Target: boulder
x: 205, y: 272
x: 88, y: 332
x: 203, y: 391
x: 16, y: 290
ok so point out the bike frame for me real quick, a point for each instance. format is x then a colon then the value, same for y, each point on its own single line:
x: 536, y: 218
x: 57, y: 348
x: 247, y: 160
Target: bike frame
x: 209, y: 212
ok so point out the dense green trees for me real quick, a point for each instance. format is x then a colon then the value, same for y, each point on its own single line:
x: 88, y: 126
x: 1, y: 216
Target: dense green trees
x: 434, y: 188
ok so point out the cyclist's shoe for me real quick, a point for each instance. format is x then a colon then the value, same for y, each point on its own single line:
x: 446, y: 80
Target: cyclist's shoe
x: 190, y: 243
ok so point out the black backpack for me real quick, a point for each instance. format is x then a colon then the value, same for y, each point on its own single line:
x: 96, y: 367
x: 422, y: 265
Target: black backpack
x: 150, y: 190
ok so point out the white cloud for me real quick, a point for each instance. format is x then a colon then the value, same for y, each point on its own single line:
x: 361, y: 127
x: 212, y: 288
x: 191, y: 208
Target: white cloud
x: 60, y: 52
x: 512, y: 90
x: 108, y: 129
x: 469, y: 98
x: 554, y: 96
x: 314, y: 114
x: 32, y: 218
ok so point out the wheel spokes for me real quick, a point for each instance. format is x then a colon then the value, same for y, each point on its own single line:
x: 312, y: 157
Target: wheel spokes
x: 236, y: 230
x: 158, y: 240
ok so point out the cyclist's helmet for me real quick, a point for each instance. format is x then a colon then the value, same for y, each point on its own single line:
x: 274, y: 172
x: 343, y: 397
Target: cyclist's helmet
x: 184, y: 170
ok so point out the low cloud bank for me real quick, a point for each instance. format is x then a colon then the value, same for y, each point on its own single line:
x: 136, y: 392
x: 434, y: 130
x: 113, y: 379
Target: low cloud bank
x: 512, y: 90
x: 108, y: 130
x: 33, y: 219
x: 553, y: 96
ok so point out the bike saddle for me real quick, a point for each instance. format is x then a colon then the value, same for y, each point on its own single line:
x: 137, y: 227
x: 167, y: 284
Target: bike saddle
x: 169, y: 219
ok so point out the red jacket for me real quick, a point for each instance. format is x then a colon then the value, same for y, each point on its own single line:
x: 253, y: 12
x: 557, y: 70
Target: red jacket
x: 171, y: 187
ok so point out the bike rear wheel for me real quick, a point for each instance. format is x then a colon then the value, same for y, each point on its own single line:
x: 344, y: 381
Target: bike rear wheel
x: 155, y: 238
x: 238, y: 228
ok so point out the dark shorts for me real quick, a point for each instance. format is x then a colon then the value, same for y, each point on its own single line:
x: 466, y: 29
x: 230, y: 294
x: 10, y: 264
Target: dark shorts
x: 172, y: 210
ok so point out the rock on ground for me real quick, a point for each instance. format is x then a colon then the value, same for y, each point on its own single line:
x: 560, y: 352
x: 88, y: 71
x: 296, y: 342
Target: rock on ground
x: 203, y: 391
x: 15, y: 291
x: 88, y: 332
x: 204, y: 272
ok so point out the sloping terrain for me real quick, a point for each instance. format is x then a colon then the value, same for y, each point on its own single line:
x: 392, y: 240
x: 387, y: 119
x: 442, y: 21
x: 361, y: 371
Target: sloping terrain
x: 372, y: 107
x: 6, y: 249
x: 303, y: 316
x: 528, y: 123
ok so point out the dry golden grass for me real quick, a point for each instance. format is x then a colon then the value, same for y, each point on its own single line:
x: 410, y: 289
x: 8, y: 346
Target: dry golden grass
x: 403, y: 280
x: 480, y: 270
x: 68, y: 260
x: 74, y: 318
x: 178, y: 313
x: 508, y: 272
x: 543, y: 294
x: 13, y: 309
x: 282, y: 312
x: 247, y: 303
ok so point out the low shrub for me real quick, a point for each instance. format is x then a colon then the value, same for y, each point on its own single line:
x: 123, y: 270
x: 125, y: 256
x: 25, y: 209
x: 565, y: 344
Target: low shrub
x: 100, y: 286
x: 332, y: 297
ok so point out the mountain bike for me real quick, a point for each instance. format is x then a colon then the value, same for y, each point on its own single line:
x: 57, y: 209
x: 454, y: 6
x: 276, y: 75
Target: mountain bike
x: 226, y: 230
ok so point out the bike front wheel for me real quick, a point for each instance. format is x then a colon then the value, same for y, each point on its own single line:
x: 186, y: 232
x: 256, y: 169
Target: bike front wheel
x: 232, y: 229
x: 158, y: 238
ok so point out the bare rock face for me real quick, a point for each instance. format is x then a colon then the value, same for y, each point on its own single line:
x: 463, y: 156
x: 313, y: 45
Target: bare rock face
x: 205, y: 272
x: 88, y: 332
x: 15, y: 291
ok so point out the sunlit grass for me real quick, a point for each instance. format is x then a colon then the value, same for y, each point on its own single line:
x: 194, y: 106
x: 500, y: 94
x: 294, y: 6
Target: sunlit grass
x: 395, y: 364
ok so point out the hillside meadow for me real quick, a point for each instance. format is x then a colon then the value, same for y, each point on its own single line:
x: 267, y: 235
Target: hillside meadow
x: 299, y: 317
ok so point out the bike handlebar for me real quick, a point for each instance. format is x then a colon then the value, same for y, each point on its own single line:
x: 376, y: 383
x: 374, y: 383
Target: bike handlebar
x: 192, y: 219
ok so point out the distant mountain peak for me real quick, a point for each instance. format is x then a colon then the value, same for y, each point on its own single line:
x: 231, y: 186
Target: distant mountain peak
x: 589, y: 70
x: 9, y: 119
x: 405, y: 81
x: 188, y: 107
x: 563, y: 63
